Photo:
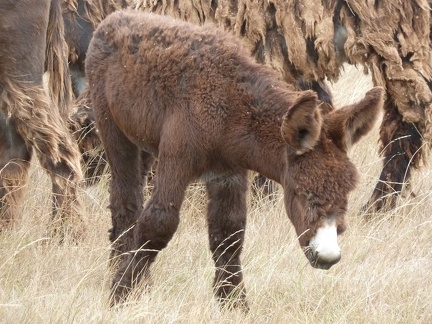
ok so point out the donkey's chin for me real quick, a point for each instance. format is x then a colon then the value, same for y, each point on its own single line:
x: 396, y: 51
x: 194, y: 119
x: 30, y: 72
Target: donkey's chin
x: 320, y: 263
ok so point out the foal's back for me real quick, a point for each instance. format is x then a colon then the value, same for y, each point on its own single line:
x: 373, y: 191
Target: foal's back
x: 149, y: 68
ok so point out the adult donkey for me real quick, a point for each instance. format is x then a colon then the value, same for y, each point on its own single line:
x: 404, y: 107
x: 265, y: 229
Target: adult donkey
x: 31, y: 41
x: 195, y: 99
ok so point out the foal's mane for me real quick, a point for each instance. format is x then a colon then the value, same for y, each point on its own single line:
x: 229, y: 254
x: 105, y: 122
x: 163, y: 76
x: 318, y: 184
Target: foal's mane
x: 267, y: 86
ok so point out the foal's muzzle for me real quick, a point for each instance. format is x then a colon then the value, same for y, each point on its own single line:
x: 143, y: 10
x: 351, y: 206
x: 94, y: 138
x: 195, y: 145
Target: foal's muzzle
x: 323, y: 250
x: 321, y: 261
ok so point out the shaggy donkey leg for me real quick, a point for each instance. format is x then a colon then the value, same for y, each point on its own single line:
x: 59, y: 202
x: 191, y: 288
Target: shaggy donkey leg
x: 401, y: 144
x: 155, y: 226
x: 39, y: 124
x: 14, y: 165
x: 226, y: 225
x: 59, y: 156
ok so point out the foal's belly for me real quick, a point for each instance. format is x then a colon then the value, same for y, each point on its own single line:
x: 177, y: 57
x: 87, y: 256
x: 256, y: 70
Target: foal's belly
x: 144, y: 141
x: 140, y: 127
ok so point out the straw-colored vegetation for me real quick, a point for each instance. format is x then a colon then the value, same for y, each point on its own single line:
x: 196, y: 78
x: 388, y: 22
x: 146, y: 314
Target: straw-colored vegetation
x: 385, y: 275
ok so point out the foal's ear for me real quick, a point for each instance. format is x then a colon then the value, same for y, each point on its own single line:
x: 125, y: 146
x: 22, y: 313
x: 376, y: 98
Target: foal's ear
x: 301, y: 125
x: 349, y: 124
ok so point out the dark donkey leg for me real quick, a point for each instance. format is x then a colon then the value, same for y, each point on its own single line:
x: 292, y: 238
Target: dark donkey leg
x: 159, y: 220
x: 401, y: 143
x: 14, y: 165
x: 226, y: 224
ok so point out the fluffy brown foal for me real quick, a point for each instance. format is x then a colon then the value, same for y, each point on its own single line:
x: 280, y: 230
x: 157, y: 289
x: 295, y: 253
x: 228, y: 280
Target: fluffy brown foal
x: 194, y: 98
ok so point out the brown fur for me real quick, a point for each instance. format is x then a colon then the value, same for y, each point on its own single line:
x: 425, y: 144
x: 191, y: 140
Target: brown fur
x: 193, y: 97
x: 309, y: 41
x: 31, y: 120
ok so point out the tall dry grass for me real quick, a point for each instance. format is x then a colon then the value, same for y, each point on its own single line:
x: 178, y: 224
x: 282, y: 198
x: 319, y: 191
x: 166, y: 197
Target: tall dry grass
x: 385, y: 275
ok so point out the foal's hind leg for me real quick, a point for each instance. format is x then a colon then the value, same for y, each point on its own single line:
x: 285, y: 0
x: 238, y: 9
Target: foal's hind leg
x: 129, y: 168
x: 226, y: 222
x: 158, y: 221
x: 127, y: 196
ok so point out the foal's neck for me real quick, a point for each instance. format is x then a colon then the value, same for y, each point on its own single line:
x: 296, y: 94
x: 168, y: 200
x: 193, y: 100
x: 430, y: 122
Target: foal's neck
x: 267, y: 150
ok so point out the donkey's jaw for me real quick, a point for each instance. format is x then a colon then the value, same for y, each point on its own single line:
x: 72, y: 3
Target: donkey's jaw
x: 324, y: 250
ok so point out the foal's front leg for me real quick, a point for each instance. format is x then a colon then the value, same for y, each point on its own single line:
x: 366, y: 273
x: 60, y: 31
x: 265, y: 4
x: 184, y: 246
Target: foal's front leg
x: 155, y: 226
x: 226, y: 224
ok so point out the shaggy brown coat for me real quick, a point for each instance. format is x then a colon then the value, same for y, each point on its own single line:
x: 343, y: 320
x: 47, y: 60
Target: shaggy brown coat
x: 31, y: 40
x: 309, y: 41
x: 193, y: 97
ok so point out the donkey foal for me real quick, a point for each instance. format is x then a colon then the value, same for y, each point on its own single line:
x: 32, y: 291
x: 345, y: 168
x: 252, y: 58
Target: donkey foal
x: 194, y: 98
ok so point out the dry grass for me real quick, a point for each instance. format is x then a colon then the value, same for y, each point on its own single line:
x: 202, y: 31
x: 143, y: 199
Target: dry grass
x: 384, y: 276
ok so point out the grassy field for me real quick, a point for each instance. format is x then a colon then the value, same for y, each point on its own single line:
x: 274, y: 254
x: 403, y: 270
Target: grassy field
x: 385, y: 275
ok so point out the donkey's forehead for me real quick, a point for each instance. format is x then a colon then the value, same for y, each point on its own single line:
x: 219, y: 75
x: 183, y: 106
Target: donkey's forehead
x: 325, y: 174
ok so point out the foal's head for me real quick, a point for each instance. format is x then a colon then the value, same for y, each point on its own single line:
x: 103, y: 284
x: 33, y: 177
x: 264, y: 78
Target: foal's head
x: 320, y: 174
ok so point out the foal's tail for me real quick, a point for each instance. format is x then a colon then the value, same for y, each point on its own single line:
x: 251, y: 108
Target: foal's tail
x: 56, y: 62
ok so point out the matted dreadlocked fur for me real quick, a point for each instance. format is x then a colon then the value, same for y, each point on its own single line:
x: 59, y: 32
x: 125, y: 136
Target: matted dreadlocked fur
x: 96, y: 10
x: 310, y: 40
x: 31, y: 120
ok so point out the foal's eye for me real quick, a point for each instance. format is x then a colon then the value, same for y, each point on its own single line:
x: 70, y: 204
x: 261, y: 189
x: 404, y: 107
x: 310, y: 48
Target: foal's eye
x: 341, y: 229
x: 331, y: 214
